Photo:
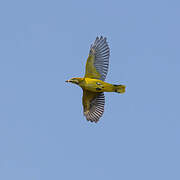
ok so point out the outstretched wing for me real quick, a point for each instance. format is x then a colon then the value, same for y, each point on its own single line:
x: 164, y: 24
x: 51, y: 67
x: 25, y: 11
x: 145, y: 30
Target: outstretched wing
x: 98, y: 59
x: 93, y: 104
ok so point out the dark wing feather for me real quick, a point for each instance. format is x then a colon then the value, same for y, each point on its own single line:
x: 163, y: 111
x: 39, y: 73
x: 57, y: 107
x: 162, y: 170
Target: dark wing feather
x: 93, y: 104
x: 98, y: 60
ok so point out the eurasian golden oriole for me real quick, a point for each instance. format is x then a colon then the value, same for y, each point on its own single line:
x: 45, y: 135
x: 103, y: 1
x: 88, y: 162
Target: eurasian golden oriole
x: 93, y: 84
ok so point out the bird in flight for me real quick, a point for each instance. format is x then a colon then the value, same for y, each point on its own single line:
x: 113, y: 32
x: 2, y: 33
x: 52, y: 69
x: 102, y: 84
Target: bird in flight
x: 93, y: 84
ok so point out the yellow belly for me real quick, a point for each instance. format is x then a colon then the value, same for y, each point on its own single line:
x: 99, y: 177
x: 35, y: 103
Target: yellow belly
x: 96, y: 85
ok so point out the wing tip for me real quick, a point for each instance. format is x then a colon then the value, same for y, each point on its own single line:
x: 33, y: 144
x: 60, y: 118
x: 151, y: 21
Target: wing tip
x: 89, y: 118
x: 99, y: 43
x: 101, y: 38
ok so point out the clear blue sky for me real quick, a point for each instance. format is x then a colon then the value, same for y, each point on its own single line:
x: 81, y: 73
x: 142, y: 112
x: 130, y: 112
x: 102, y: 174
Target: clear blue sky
x: 43, y: 133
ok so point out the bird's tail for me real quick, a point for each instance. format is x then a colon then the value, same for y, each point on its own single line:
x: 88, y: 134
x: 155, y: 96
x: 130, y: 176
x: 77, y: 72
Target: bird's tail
x: 119, y: 88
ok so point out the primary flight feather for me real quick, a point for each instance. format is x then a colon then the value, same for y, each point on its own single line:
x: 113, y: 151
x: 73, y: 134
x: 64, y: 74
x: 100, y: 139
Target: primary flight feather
x: 93, y: 84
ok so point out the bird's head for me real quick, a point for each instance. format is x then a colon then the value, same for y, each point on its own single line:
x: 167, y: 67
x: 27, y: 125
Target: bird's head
x: 75, y: 80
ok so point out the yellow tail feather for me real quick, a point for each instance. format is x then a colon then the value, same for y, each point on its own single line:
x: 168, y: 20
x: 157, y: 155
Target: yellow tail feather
x: 119, y: 88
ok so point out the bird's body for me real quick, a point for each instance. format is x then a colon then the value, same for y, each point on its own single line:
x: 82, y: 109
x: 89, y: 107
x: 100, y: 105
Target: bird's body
x: 93, y: 84
x: 96, y: 85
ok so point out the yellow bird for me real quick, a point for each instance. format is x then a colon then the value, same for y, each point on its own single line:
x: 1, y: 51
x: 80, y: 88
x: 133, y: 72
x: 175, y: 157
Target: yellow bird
x: 93, y: 84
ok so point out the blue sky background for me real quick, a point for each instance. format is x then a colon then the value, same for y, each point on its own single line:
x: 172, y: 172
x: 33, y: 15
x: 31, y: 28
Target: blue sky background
x: 43, y: 133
